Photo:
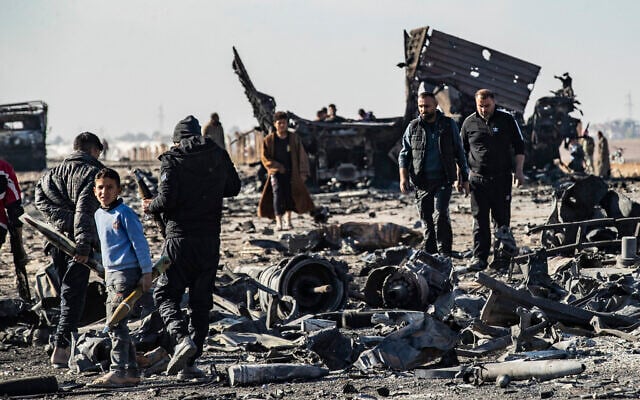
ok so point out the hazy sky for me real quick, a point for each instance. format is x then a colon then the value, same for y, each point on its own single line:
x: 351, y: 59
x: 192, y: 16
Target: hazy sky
x: 110, y: 66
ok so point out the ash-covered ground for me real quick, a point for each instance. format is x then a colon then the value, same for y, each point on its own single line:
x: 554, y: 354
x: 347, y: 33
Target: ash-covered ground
x: 611, y: 362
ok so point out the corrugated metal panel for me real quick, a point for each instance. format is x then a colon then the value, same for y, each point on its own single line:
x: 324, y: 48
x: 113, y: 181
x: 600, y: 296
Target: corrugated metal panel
x: 468, y: 67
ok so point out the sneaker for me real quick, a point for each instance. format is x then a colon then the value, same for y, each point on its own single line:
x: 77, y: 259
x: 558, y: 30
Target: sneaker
x: 60, y: 357
x: 477, y: 265
x: 181, y: 355
x: 191, y: 372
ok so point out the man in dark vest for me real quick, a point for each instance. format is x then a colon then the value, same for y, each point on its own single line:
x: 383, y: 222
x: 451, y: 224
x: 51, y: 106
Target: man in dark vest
x: 432, y: 159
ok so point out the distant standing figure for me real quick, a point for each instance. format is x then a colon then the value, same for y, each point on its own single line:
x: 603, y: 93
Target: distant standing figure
x: 105, y: 148
x: 603, y: 168
x: 577, y: 156
x: 332, y: 115
x: 287, y: 163
x: 366, y: 115
x: 588, y: 145
x: 213, y: 130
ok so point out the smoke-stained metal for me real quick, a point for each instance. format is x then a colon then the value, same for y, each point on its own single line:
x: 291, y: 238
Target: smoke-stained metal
x: 468, y: 67
x: 263, y: 105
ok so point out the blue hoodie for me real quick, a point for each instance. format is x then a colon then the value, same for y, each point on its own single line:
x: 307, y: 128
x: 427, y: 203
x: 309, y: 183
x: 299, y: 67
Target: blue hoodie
x: 122, y: 239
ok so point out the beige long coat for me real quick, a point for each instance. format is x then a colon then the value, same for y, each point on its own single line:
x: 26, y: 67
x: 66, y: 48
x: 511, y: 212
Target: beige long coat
x: 299, y: 172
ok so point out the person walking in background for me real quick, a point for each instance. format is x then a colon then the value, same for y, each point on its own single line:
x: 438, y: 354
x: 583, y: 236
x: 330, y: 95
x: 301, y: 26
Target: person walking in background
x: 602, y: 164
x: 65, y: 196
x: 127, y: 263
x: 287, y: 164
x: 195, y: 175
x: 488, y: 137
x: 432, y: 159
x: 214, y: 131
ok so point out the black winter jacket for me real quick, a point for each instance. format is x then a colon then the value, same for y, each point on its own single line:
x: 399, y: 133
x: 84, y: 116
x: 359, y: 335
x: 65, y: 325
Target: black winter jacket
x: 64, y: 194
x: 195, y: 175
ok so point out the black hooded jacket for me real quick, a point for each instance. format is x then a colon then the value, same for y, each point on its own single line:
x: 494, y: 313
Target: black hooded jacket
x: 195, y: 175
x: 65, y: 195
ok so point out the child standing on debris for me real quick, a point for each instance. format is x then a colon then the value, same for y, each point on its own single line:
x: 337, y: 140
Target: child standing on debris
x: 127, y: 263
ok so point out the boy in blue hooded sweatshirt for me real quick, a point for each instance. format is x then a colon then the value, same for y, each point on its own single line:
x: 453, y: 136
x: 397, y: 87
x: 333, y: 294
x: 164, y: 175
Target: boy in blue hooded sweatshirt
x: 127, y: 263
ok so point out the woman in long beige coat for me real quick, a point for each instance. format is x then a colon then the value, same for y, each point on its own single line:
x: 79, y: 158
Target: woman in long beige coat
x: 287, y: 164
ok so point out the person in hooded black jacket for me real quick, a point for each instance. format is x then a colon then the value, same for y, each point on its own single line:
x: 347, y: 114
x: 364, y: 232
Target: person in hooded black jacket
x: 195, y: 175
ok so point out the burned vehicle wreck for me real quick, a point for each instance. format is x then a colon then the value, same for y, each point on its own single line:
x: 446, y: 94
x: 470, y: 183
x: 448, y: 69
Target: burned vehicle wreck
x: 347, y: 152
x: 453, y: 69
x: 23, y: 130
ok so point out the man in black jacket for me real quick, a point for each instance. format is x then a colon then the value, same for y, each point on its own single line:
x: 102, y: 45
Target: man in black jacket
x: 431, y: 151
x: 195, y: 175
x: 489, y: 137
x: 65, y: 196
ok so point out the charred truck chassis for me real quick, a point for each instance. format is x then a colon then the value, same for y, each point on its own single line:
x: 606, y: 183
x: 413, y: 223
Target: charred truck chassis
x: 23, y: 128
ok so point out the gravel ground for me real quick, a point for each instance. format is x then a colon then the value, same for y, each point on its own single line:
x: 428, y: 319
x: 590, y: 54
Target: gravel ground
x: 611, y: 363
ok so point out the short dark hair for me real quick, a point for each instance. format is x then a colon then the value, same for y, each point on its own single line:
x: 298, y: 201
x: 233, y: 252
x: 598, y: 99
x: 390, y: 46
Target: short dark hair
x: 332, y: 106
x: 280, y: 115
x: 108, y: 173
x: 424, y: 95
x: 215, y: 116
x: 484, y: 94
x: 86, y: 141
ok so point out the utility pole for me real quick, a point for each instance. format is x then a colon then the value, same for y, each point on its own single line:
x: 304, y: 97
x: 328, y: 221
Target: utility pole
x: 629, y: 105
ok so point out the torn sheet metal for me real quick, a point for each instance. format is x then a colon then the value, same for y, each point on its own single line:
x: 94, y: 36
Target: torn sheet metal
x: 231, y: 341
x: 415, y: 344
x: 469, y: 67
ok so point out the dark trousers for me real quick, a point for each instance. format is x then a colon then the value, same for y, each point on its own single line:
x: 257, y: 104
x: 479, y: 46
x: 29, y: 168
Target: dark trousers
x: 488, y: 194
x: 282, y: 197
x: 194, y: 261
x: 74, y: 279
x: 438, y: 192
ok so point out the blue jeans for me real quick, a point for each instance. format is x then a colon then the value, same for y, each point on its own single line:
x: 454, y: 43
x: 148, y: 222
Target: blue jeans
x: 119, y: 285
x: 438, y: 232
